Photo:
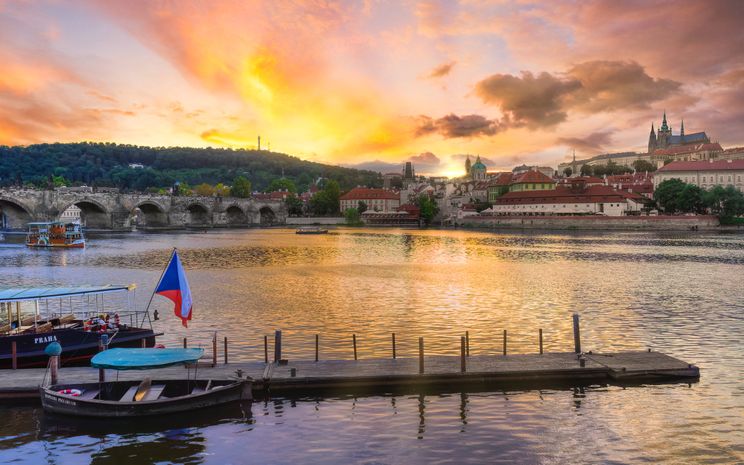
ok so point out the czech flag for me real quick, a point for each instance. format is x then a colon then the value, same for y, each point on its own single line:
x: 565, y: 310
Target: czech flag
x: 174, y: 286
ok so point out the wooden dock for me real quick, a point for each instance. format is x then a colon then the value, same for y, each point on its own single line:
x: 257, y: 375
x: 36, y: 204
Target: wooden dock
x: 382, y: 375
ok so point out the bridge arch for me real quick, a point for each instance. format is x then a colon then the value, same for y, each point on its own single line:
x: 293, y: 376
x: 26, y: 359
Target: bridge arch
x: 13, y: 213
x: 198, y: 214
x: 267, y: 215
x: 150, y: 214
x: 235, y: 215
x: 93, y: 214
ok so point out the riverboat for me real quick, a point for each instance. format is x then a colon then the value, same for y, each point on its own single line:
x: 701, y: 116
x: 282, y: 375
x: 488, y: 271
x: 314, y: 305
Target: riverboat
x: 146, y: 397
x: 311, y: 230
x: 55, y: 234
x: 75, y: 317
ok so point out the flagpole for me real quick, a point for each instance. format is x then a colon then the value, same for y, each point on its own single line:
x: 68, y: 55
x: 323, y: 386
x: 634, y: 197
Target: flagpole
x: 147, y: 309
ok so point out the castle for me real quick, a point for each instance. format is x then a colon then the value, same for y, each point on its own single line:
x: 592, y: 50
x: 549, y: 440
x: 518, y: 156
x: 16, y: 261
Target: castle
x: 664, y: 139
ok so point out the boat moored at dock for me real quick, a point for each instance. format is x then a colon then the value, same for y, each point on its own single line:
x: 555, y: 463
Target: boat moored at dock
x: 75, y: 317
x: 311, y: 230
x: 146, y: 397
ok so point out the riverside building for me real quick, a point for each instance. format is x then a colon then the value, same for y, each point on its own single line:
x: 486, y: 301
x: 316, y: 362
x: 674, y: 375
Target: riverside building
x: 704, y: 174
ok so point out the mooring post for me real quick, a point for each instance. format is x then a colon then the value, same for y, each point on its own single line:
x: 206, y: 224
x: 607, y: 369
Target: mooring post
x: 467, y: 343
x: 225, y: 350
x: 14, y: 354
x: 102, y: 345
x: 421, y: 355
x: 277, y: 345
x: 462, y: 354
x: 317, y: 344
x: 394, y: 345
x: 353, y: 339
x: 143, y: 343
x: 577, y: 333
x: 54, y: 366
x: 541, y: 342
x: 504, y: 342
x: 266, y: 349
x: 184, y: 343
x: 214, y: 349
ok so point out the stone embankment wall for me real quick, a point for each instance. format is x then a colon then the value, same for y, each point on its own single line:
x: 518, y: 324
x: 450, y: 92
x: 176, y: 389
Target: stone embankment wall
x: 676, y: 223
x: 311, y: 220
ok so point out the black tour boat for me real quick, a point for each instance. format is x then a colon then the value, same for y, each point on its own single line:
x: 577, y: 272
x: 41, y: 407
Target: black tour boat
x: 75, y: 317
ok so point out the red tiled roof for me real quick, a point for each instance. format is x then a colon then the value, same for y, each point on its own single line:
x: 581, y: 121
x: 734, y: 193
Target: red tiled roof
x: 688, y: 149
x: 734, y: 150
x: 703, y: 165
x: 586, y: 179
x: 561, y: 194
x: 532, y: 176
x: 363, y: 193
x: 503, y: 179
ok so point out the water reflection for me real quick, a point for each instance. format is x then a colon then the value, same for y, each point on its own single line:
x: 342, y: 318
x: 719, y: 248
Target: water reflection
x: 675, y: 292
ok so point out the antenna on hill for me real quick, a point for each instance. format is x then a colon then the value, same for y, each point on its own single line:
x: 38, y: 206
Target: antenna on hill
x: 259, y: 143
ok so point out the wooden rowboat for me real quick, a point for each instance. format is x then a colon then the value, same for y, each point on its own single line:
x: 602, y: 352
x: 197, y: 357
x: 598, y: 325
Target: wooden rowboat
x: 141, y: 398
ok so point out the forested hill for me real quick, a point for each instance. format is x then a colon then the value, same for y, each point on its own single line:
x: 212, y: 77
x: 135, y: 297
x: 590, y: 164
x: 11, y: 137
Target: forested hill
x: 108, y: 164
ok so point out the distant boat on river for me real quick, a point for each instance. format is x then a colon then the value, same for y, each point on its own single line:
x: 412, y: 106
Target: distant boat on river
x: 55, y: 234
x: 311, y: 230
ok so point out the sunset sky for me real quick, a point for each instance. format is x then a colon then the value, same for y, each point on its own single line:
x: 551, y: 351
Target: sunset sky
x: 373, y: 83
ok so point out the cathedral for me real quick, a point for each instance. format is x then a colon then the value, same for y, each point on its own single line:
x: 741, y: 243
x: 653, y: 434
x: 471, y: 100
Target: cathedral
x: 477, y: 171
x: 664, y: 139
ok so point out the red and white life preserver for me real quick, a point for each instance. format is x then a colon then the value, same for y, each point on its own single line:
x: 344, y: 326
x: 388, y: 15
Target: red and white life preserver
x: 70, y: 392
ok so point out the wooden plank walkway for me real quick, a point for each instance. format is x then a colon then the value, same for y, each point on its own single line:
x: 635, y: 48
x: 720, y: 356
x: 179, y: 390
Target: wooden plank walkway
x: 379, y: 374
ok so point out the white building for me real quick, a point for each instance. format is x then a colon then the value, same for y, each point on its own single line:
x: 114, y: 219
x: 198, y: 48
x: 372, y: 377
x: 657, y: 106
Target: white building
x: 71, y: 215
x: 704, y: 174
x: 379, y: 200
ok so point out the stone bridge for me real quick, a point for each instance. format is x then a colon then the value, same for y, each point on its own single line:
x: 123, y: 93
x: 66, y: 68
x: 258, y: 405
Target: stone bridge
x: 116, y: 211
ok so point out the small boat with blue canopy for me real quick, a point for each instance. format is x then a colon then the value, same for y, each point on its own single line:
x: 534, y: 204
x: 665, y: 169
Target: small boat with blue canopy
x: 145, y: 397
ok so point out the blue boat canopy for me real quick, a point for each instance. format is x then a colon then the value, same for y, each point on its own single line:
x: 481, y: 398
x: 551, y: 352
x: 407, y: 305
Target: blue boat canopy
x: 41, y: 293
x: 144, y: 359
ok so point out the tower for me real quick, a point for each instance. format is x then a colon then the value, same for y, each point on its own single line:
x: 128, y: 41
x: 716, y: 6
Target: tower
x: 664, y: 134
x: 682, y: 131
x: 478, y: 170
x: 259, y: 143
x: 467, y: 166
x: 652, y: 140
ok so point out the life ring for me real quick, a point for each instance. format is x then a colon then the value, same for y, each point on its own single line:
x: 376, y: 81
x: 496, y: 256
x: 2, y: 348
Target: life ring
x: 42, y: 241
x: 70, y: 392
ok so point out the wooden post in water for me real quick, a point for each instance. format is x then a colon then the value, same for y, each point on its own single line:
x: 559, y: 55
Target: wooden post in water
x: 54, y: 367
x: 184, y: 343
x: 577, y: 333
x: 14, y: 354
x: 462, y: 354
x: 214, y: 349
x: 317, y: 346
x: 277, y: 345
x: 266, y: 349
x: 225, y: 350
x: 143, y: 343
x: 504, y: 342
x: 353, y: 339
x: 394, y: 345
x: 541, y: 341
x: 421, y: 355
x: 467, y: 343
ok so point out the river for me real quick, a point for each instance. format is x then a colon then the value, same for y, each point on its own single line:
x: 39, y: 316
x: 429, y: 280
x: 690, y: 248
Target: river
x: 679, y: 293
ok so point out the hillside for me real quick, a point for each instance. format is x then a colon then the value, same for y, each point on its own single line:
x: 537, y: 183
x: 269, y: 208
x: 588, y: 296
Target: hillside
x: 107, y: 164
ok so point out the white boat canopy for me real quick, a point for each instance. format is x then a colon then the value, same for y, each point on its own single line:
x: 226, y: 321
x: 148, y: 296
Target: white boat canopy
x: 43, y: 293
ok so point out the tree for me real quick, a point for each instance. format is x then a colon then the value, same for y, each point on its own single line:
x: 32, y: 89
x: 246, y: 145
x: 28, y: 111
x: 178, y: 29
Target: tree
x: 428, y: 208
x: 361, y: 207
x: 281, y: 185
x: 221, y: 190
x: 691, y: 199
x: 241, y: 187
x: 204, y: 190
x: 586, y: 170
x: 326, y: 201
x: 482, y: 205
x: 644, y: 166
x: 352, y: 217
x: 568, y: 172
x: 725, y: 202
x: 667, y: 195
x: 294, y: 204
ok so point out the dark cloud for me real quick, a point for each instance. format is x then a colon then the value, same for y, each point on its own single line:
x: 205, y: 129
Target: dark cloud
x: 441, y: 70
x: 426, y: 158
x: 591, y: 144
x: 453, y: 126
x: 545, y: 99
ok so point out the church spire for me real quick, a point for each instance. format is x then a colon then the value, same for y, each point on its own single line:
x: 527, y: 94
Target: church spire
x: 682, y: 129
x: 664, y: 126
